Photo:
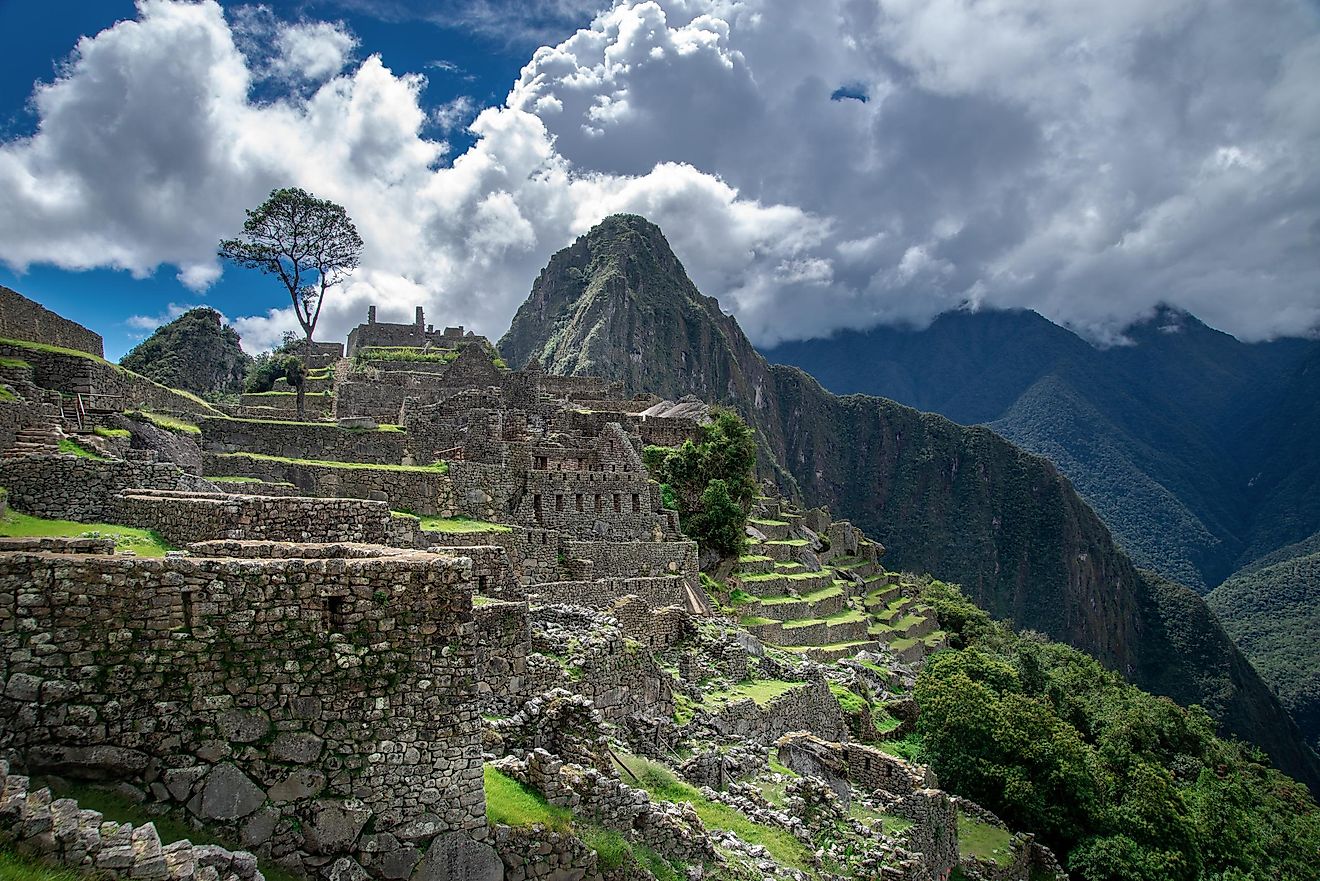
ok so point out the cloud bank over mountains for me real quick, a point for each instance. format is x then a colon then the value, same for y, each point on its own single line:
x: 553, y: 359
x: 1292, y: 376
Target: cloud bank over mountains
x: 816, y: 166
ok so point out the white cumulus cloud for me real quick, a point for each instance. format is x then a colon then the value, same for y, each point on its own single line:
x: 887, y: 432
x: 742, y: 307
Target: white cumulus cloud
x: 1087, y: 160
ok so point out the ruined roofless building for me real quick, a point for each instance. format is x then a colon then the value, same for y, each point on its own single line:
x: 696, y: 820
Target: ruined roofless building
x: 380, y: 334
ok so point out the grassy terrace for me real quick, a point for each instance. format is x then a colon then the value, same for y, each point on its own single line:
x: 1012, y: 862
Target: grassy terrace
x: 760, y: 690
x: 165, y: 423
x: 790, y: 542
x: 756, y: 522
x: 983, y: 841
x: 436, y: 468
x: 662, y: 785
x: 774, y: 576
x: 823, y: 594
x: 73, y: 448
x: 459, y: 525
x: 87, y: 356
x: 305, y: 424
x: 127, y: 538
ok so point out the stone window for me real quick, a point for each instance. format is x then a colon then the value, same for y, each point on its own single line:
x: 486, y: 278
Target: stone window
x: 335, y: 614
x: 186, y: 599
x: 600, y: 503
x: 618, y: 504
x: 536, y: 506
x: 559, y: 503
x: 579, y: 503
x: 637, y: 503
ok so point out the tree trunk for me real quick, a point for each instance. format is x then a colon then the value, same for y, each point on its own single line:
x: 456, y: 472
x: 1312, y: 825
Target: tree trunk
x: 302, y: 386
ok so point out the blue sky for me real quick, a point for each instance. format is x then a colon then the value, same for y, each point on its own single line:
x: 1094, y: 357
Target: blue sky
x: 816, y: 166
x: 462, y: 60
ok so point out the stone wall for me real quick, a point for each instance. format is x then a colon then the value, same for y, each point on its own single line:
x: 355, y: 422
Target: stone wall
x: 503, y: 644
x: 85, y: 490
x: 418, y: 490
x: 303, y: 440
x: 629, y: 559
x: 55, y: 830
x: 284, y: 405
x: 811, y: 707
x: 299, y: 706
x: 23, y: 319
x: 89, y: 375
x: 602, y: 594
x: 622, y: 505
x: 182, y: 519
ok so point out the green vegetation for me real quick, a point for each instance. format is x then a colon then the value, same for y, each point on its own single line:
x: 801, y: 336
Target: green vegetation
x: 15, y: 867
x: 6, y: 395
x: 849, y: 701
x: 979, y: 839
x: 127, y: 538
x: 102, y: 431
x: 230, y: 479
x: 459, y: 525
x: 713, y: 481
x: 196, y: 352
x: 760, y: 690
x: 1120, y: 783
x: 661, y: 783
x: 404, y: 353
x: 1273, y: 614
x: 434, y: 468
x: 512, y: 804
x: 69, y: 446
x: 17, y: 363
x: 165, y: 423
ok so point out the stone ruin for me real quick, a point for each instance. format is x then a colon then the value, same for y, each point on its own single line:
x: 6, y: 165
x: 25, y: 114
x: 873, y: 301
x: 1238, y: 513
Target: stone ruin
x: 451, y: 567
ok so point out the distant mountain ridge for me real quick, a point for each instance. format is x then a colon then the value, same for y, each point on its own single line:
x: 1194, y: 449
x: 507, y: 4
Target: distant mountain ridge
x: 959, y: 502
x: 1189, y: 443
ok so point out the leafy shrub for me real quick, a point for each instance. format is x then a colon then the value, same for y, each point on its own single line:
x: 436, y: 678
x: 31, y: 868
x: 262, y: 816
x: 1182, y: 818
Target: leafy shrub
x: 710, y: 482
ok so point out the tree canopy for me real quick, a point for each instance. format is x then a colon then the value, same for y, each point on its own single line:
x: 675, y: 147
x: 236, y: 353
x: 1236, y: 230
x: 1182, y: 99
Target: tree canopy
x: 310, y: 244
x: 711, y: 481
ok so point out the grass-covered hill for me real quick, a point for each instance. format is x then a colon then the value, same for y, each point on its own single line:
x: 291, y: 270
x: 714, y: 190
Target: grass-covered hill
x: 1191, y: 445
x: 1273, y: 613
x: 959, y: 502
x: 196, y: 352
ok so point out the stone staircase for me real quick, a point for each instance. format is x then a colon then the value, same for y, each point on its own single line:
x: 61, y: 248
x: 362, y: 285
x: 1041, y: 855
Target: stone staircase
x: 41, y: 439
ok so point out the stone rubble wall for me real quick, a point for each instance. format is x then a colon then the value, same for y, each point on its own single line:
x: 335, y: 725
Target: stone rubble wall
x: 24, y: 319
x: 811, y: 707
x: 85, y: 490
x: 57, y: 832
x: 420, y: 491
x: 84, y: 374
x: 934, y: 833
x: 602, y: 594
x: 503, y: 645
x: 621, y: 505
x: 296, y: 705
x: 631, y: 559
x: 303, y: 440
x: 58, y: 544
x: 182, y: 519
x: 671, y: 829
x: 284, y: 405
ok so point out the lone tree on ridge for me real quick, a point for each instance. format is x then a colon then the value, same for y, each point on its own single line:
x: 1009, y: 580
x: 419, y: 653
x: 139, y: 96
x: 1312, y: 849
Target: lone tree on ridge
x: 309, y: 243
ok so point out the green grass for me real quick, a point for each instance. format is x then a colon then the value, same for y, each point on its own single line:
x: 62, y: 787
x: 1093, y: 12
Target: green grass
x: 168, y: 825
x: 755, y: 621
x: 73, y: 447
x: 661, y: 783
x: 13, y: 362
x: 459, y: 525
x: 983, y: 841
x: 773, y: 576
x: 7, y: 395
x: 752, y: 558
x: 436, y: 468
x: 102, y: 431
x: 165, y: 423
x: 760, y: 690
x: 851, y: 702
x: 612, y: 852
x: 235, y: 479
x: 510, y: 803
x: 127, y: 538
x: 284, y: 394
x: 404, y: 353
x: 758, y: 522
x: 792, y: 543
x: 23, y: 868
x: 846, y: 616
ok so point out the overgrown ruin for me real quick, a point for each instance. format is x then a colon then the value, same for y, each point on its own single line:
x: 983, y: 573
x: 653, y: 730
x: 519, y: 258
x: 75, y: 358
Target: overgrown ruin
x: 453, y: 573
